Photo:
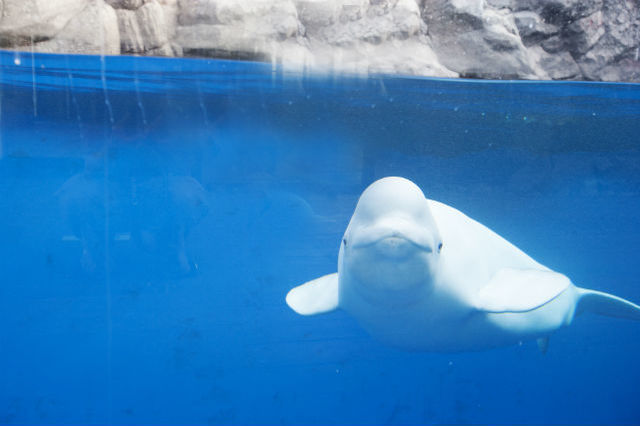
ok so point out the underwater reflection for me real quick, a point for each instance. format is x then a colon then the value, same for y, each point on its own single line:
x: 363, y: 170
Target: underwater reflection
x: 113, y: 210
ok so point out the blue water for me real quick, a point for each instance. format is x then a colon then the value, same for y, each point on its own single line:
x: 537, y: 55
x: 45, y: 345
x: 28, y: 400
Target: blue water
x: 154, y: 213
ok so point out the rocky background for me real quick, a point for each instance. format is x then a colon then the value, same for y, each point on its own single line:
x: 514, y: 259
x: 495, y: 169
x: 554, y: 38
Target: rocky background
x: 524, y: 39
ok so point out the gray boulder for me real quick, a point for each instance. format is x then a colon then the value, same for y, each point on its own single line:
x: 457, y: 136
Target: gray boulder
x: 615, y: 52
x: 476, y: 40
x: 582, y: 34
x: 595, y: 34
x: 560, y: 66
x: 532, y: 27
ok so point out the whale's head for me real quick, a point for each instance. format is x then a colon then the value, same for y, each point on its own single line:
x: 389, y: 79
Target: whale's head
x: 390, y: 250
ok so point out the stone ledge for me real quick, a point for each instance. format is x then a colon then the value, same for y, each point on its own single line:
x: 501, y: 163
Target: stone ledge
x: 523, y: 39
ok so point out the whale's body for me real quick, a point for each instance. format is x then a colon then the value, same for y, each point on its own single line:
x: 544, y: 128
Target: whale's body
x: 420, y: 275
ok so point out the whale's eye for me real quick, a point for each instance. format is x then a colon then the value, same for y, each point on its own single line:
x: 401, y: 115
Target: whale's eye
x: 439, y: 247
x: 344, y: 242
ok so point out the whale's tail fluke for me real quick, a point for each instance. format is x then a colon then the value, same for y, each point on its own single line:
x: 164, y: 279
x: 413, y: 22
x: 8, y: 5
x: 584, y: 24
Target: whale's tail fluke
x: 606, y: 304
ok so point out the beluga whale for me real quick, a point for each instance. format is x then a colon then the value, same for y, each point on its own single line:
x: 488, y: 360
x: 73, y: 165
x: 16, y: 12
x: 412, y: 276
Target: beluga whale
x: 420, y: 275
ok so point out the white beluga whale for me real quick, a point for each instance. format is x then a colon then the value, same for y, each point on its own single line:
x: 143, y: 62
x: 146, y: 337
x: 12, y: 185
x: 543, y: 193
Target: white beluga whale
x: 418, y: 274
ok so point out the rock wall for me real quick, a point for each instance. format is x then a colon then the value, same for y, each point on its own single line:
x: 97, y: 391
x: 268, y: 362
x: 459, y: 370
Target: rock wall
x: 526, y: 39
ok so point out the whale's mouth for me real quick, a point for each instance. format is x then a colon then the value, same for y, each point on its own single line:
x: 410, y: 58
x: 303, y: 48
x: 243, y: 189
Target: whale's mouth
x: 394, y: 242
x: 399, y: 244
x: 394, y: 235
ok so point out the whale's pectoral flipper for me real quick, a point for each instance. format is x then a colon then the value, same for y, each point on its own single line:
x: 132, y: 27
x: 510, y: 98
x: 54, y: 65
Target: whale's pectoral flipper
x: 520, y: 290
x: 315, y: 297
x: 606, y: 304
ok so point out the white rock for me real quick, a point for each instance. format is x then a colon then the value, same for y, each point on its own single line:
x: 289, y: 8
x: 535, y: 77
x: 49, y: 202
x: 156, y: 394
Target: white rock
x: 227, y: 12
x: 351, y: 10
x: 92, y: 31
x: 404, y: 57
x: 227, y: 25
x: 143, y: 29
x: 355, y: 36
x: 194, y: 12
x: 316, y: 14
x: 126, y: 4
x: 468, y: 7
x: 25, y: 20
x: 153, y: 26
x: 130, y: 36
x: 170, y: 8
x: 474, y: 38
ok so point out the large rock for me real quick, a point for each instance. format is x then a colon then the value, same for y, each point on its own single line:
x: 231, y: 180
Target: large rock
x: 596, y: 34
x: 557, y: 12
x: 558, y: 39
x: 623, y: 70
x: 143, y: 29
x: 618, y: 43
x: 94, y: 31
x: 25, y: 21
x: 476, y: 40
x: 560, y: 66
x: 349, y: 24
x: 358, y: 36
x: 584, y: 33
x: 252, y: 29
x: 170, y: 8
x: 126, y: 4
x: 258, y: 16
x: 532, y: 27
